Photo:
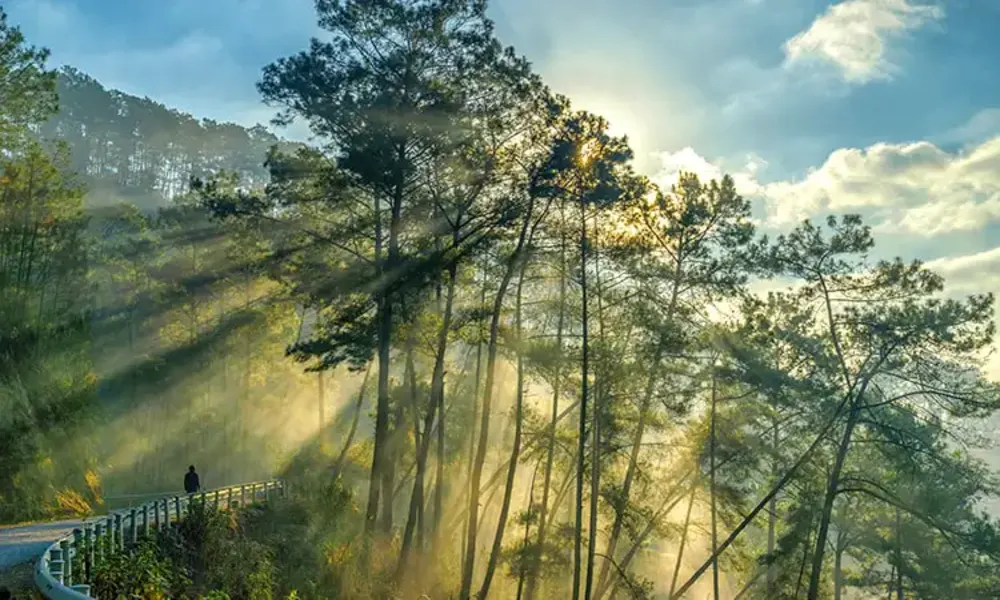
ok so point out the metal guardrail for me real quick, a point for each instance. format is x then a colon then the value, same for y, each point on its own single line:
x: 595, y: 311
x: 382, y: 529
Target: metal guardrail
x: 120, y: 530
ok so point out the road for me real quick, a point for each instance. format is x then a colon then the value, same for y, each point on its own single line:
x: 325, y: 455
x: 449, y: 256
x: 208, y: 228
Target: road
x: 25, y: 542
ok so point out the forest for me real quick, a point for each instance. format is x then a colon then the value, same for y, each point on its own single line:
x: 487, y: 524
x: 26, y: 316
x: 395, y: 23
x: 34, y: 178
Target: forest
x: 493, y: 358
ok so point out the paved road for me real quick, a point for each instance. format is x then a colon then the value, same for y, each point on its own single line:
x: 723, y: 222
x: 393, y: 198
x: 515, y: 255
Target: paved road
x: 26, y: 542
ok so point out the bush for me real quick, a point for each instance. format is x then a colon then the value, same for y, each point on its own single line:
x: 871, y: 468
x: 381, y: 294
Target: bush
x: 143, y: 573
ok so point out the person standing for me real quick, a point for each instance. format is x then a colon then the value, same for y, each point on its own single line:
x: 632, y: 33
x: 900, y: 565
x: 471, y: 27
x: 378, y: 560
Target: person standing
x: 191, y: 483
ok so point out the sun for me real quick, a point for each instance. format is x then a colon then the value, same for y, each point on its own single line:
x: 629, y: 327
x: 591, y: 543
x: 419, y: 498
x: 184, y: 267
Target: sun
x: 622, y: 119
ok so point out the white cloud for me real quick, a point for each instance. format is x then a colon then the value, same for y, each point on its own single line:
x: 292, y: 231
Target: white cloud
x: 971, y: 273
x: 905, y: 188
x: 982, y: 126
x: 914, y: 188
x: 854, y: 34
x: 671, y: 164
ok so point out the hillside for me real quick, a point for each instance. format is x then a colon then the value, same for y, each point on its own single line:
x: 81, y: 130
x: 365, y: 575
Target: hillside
x: 138, y: 150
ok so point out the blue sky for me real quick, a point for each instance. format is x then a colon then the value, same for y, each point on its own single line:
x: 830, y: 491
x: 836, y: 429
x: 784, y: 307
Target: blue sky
x: 888, y: 108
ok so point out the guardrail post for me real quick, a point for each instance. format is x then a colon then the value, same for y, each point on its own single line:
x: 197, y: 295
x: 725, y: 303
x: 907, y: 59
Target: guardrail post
x: 79, y: 552
x: 156, y: 515
x: 56, y: 564
x: 119, y: 534
x: 133, y: 531
x: 145, y: 521
x: 88, y: 552
x: 109, y: 537
x: 98, y: 539
x: 243, y: 496
x: 177, y: 508
x: 67, y: 553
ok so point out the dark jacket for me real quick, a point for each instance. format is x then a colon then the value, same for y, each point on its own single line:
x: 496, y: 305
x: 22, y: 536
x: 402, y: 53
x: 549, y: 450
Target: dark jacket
x: 191, y: 483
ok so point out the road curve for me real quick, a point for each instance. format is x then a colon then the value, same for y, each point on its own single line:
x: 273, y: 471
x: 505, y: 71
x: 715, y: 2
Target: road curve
x: 22, y: 543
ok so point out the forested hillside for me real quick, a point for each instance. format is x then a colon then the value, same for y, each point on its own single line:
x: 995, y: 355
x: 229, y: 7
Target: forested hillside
x: 133, y: 340
x: 138, y: 151
x: 573, y: 391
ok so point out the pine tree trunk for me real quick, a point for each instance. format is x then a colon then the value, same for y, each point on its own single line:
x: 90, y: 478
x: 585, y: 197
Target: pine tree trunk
x: 522, y: 570
x: 384, y: 319
x: 644, y: 409
x: 321, y: 406
x: 671, y: 500
x: 711, y: 458
x: 437, y: 391
x: 484, y: 423
x: 338, y: 465
x: 772, y: 517
x: 838, y: 575
x: 394, y: 452
x: 515, y: 452
x: 422, y: 445
x: 584, y: 390
x: 595, y: 441
x: 899, y: 556
x: 805, y: 559
x: 831, y: 495
x: 681, y: 545
x: 475, y: 407
x: 556, y: 390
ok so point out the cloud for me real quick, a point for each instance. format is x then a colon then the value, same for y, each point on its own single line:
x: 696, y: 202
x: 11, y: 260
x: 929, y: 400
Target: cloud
x: 970, y: 273
x: 909, y: 189
x: 853, y: 36
x: 915, y: 188
x: 982, y: 126
x: 671, y: 164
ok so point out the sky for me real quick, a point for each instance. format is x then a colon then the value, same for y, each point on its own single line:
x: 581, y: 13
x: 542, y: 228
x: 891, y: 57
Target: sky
x: 885, y: 108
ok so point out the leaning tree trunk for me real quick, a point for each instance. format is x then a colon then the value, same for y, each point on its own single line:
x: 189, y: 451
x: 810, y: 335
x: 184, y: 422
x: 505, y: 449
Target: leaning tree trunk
x: 437, y: 391
x: 672, y: 499
x: 422, y: 445
x: 515, y: 452
x: 645, y: 407
x: 543, y: 515
x: 475, y: 407
x: 435, y: 406
x: 805, y: 559
x: 484, y: 423
x: 683, y: 542
x: 339, y: 463
x: 831, y: 495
